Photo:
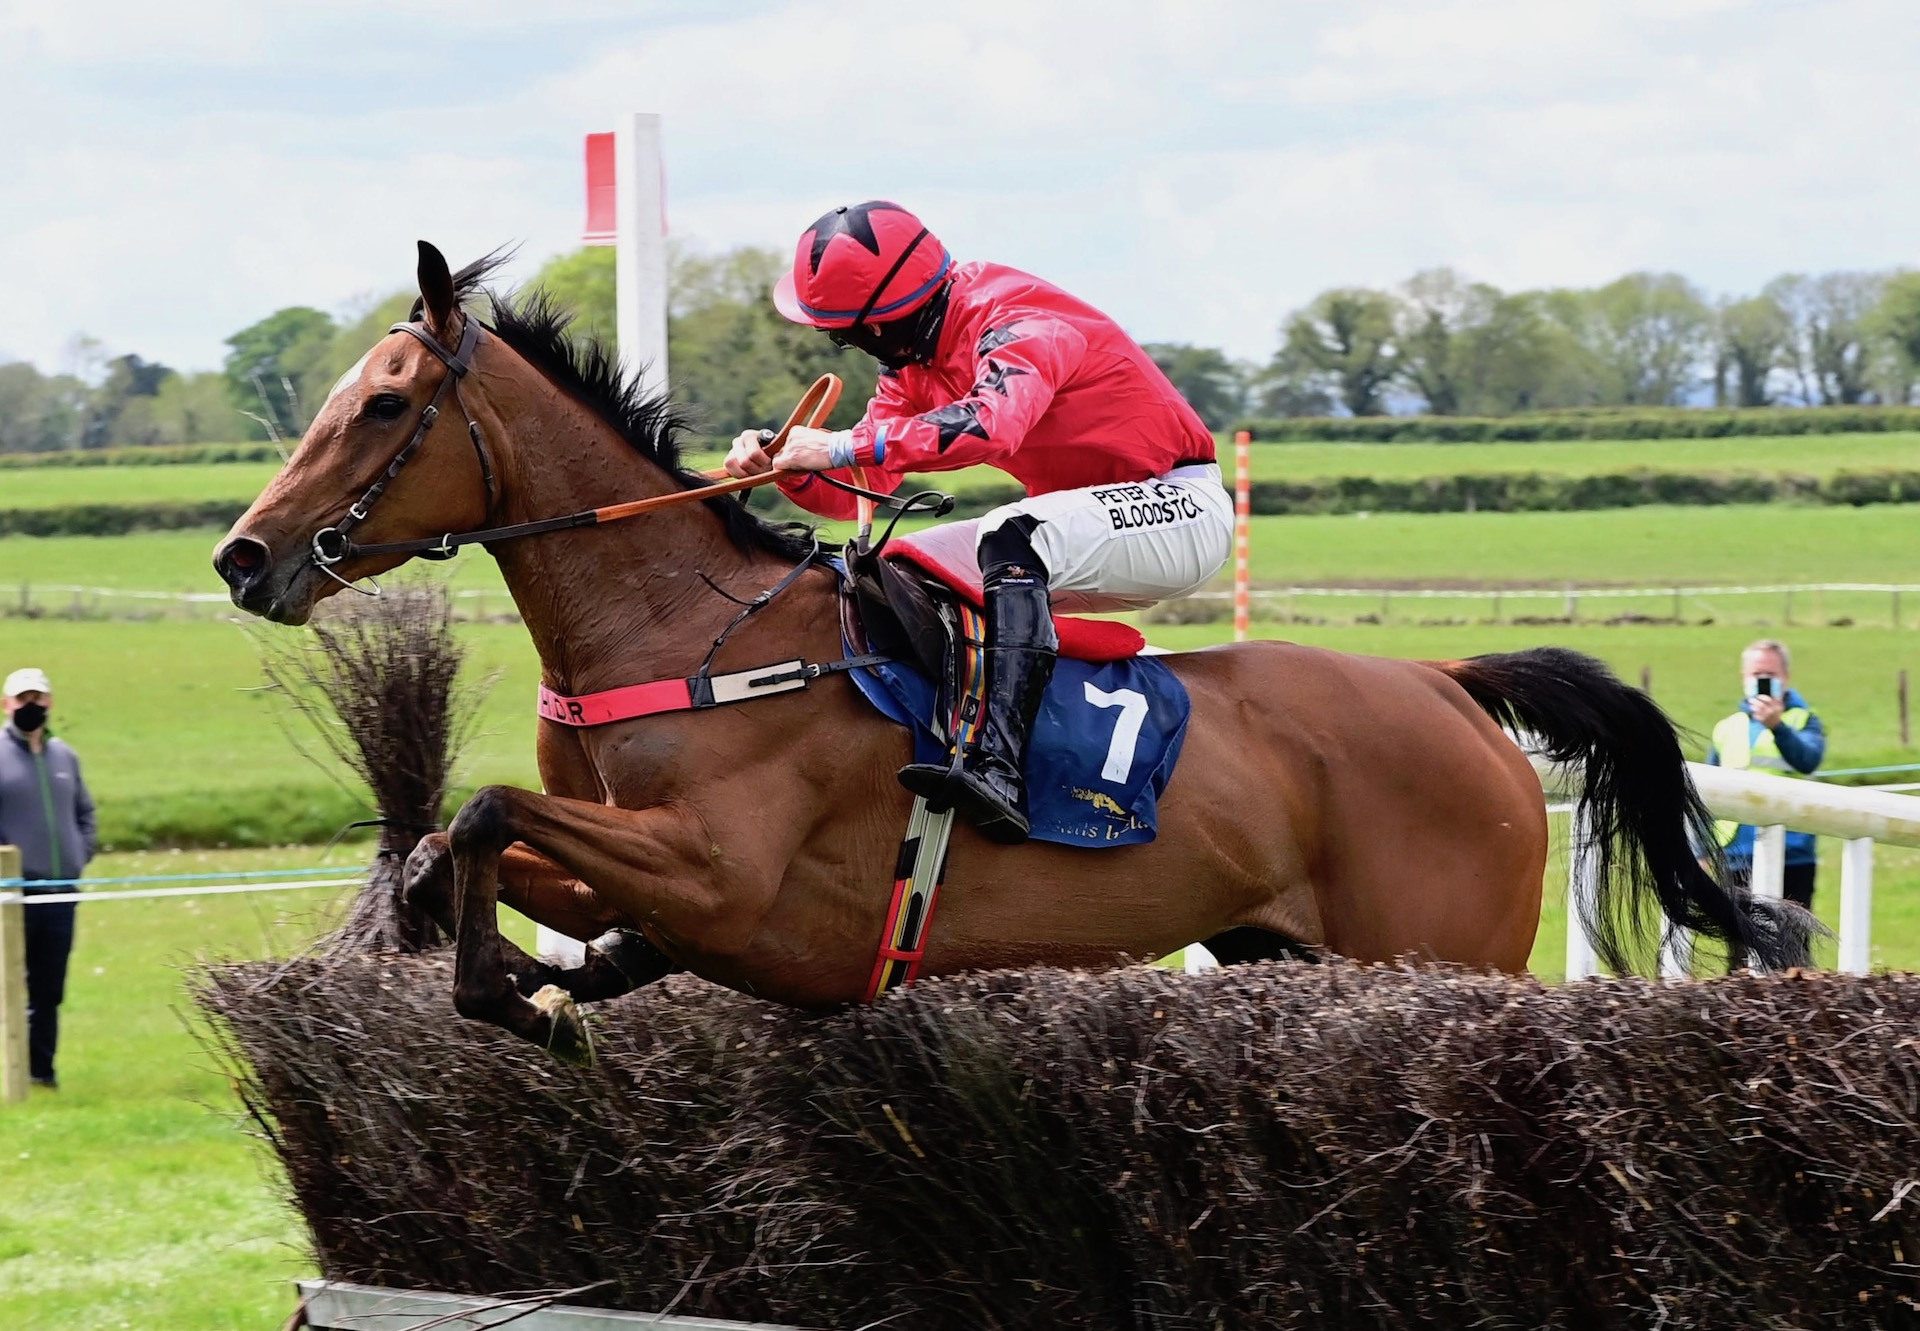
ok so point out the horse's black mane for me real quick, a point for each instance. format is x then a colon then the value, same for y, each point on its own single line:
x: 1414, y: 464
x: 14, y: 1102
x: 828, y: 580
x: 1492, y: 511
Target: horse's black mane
x: 534, y: 326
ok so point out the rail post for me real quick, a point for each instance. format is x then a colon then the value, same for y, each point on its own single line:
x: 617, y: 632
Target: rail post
x: 1856, y: 906
x: 1583, y: 867
x: 1769, y: 862
x: 13, y: 981
x: 1242, y: 523
x: 1900, y: 689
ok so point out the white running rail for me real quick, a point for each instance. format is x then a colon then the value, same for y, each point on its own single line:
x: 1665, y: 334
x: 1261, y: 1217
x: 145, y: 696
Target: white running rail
x: 1860, y: 817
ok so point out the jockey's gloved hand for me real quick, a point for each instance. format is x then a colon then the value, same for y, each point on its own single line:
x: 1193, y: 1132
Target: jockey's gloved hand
x: 748, y: 455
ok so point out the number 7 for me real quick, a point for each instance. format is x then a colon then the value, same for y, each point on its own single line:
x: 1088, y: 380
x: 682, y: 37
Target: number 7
x: 1126, y: 731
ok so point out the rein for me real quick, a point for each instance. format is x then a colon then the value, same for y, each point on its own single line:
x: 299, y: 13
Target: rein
x: 333, y: 545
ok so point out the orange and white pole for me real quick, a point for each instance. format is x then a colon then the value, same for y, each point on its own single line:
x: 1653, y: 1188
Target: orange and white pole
x: 1242, y: 511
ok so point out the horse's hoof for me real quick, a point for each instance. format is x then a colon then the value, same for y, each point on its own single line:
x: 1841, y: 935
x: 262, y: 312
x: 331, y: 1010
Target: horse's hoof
x: 568, y: 1039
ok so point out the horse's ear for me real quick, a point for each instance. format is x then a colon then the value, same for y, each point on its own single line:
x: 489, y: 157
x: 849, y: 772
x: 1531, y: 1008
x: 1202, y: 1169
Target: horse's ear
x: 436, y: 286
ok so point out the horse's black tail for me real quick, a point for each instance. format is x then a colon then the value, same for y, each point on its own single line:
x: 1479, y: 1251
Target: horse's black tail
x: 1649, y: 827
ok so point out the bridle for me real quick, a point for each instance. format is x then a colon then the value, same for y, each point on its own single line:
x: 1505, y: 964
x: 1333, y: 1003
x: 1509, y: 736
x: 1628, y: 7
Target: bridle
x: 333, y: 545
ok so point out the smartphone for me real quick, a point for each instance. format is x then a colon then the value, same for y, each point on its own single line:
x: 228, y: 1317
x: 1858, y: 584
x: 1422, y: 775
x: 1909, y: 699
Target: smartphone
x: 1763, y: 686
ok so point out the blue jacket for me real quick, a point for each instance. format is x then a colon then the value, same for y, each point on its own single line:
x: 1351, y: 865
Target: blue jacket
x: 1803, y: 749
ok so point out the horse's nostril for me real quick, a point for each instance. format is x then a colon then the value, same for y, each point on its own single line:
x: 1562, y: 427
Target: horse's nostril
x: 240, y: 561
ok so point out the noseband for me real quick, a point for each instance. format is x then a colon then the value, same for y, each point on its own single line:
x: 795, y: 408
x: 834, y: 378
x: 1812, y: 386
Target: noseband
x: 332, y: 545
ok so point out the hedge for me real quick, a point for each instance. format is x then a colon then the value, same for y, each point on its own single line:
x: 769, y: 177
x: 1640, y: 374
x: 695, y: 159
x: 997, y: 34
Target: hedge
x: 1282, y: 1145
x: 1523, y: 492
x: 163, y: 455
x: 119, y: 519
x: 156, y: 456
x: 1598, y: 423
x: 1494, y: 492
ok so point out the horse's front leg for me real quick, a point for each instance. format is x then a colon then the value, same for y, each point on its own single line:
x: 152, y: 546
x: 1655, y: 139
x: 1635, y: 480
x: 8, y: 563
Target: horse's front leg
x: 659, y: 848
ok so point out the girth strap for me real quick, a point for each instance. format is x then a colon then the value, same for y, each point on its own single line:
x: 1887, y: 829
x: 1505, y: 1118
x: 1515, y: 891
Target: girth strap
x: 693, y: 693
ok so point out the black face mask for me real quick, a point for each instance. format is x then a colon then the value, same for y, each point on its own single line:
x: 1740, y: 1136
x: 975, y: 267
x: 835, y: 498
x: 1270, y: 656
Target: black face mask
x: 899, y: 343
x: 29, y: 717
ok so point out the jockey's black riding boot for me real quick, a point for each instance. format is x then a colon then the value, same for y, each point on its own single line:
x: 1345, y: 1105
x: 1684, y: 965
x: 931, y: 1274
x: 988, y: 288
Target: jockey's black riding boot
x: 988, y: 787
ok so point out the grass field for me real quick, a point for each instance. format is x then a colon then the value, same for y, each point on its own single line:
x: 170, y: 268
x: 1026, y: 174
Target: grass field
x: 133, y: 1196
x: 164, y: 710
x: 168, y: 720
x: 1804, y: 455
x: 48, y: 487
x: 1733, y: 544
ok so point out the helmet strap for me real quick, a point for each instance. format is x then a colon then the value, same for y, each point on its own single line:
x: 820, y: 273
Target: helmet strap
x: 893, y: 272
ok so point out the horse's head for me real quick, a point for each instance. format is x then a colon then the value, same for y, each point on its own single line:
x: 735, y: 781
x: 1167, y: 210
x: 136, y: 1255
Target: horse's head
x: 394, y: 421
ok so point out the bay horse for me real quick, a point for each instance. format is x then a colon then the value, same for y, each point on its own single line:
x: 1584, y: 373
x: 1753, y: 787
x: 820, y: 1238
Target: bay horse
x: 1365, y: 806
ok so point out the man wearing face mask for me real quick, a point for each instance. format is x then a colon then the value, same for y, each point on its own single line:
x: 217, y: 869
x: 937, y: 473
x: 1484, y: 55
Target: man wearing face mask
x: 46, y: 811
x: 986, y: 364
x: 1773, y: 731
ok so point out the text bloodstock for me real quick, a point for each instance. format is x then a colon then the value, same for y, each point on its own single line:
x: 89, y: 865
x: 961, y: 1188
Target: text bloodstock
x: 1128, y: 506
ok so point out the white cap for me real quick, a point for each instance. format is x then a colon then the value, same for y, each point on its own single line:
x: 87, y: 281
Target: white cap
x: 27, y: 679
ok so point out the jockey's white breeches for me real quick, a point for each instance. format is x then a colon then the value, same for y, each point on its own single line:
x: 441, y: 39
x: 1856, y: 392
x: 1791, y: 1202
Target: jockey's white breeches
x: 1128, y: 545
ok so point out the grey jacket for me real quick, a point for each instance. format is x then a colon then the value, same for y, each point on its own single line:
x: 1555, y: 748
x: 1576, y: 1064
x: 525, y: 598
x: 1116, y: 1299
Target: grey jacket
x: 44, y: 807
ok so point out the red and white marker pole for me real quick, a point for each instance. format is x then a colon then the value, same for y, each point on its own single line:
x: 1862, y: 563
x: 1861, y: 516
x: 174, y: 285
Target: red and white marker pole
x: 1242, y: 511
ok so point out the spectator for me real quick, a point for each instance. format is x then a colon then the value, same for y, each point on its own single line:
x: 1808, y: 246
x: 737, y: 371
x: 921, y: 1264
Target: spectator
x: 46, y: 811
x: 1773, y: 731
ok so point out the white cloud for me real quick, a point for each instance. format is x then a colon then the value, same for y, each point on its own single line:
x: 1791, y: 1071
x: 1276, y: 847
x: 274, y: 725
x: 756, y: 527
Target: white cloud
x: 1197, y: 169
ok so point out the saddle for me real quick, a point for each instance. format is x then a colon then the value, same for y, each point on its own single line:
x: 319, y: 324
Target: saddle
x: 914, y: 599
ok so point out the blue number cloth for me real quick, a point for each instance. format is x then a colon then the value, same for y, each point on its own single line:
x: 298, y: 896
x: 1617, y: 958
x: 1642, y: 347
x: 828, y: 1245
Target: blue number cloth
x: 1102, y: 752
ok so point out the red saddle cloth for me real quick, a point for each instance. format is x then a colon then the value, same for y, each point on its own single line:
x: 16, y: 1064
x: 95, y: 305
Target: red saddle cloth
x: 946, y: 554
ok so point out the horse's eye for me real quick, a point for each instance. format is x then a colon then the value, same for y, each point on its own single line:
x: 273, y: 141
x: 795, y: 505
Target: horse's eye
x: 386, y: 406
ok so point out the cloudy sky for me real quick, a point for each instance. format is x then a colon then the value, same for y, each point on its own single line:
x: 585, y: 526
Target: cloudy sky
x: 173, y: 171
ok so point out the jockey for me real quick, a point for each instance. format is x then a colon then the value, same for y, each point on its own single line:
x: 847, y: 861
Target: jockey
x: 986, y: 364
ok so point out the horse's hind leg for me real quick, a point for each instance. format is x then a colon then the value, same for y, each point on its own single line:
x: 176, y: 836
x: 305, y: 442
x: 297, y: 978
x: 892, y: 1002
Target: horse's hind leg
x: 648, y: 852
x: 616, y: 960
x: 1247, y: 943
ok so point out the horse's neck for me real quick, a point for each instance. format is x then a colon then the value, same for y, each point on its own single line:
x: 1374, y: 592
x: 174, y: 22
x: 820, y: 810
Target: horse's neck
x: 615, y: 604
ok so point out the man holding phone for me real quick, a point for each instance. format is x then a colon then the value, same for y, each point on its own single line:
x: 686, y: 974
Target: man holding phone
x: 1773, y: 731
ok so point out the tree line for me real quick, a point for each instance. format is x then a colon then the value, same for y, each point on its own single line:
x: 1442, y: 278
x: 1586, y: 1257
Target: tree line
x: 1439, y: 343
x: 1448, y: 346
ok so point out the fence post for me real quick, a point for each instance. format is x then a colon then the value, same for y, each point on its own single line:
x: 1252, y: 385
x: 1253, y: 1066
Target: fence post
x: 13, y: 982
x: 1242, y: 523
x: 1901, y: 689
x: 1582, y: 880
x: 1769, y: 862
x: 1676, y: 953
x: 1856, y: 906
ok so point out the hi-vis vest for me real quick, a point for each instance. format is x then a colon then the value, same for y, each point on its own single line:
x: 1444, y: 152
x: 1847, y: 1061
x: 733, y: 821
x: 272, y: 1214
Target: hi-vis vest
x: 1741, y: 753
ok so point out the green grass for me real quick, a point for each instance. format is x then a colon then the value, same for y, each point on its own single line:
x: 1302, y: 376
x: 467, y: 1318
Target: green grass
x: 166, y: 719
x: 131, y: 1197
x: 50, y: 487
x: 1847, y: 675
x: 134, y: 1195
x: 167, y: 561
x: 1807, y: 455
x: 1804, y: 455
x: 168, y: 716
x: 1735, y: 544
